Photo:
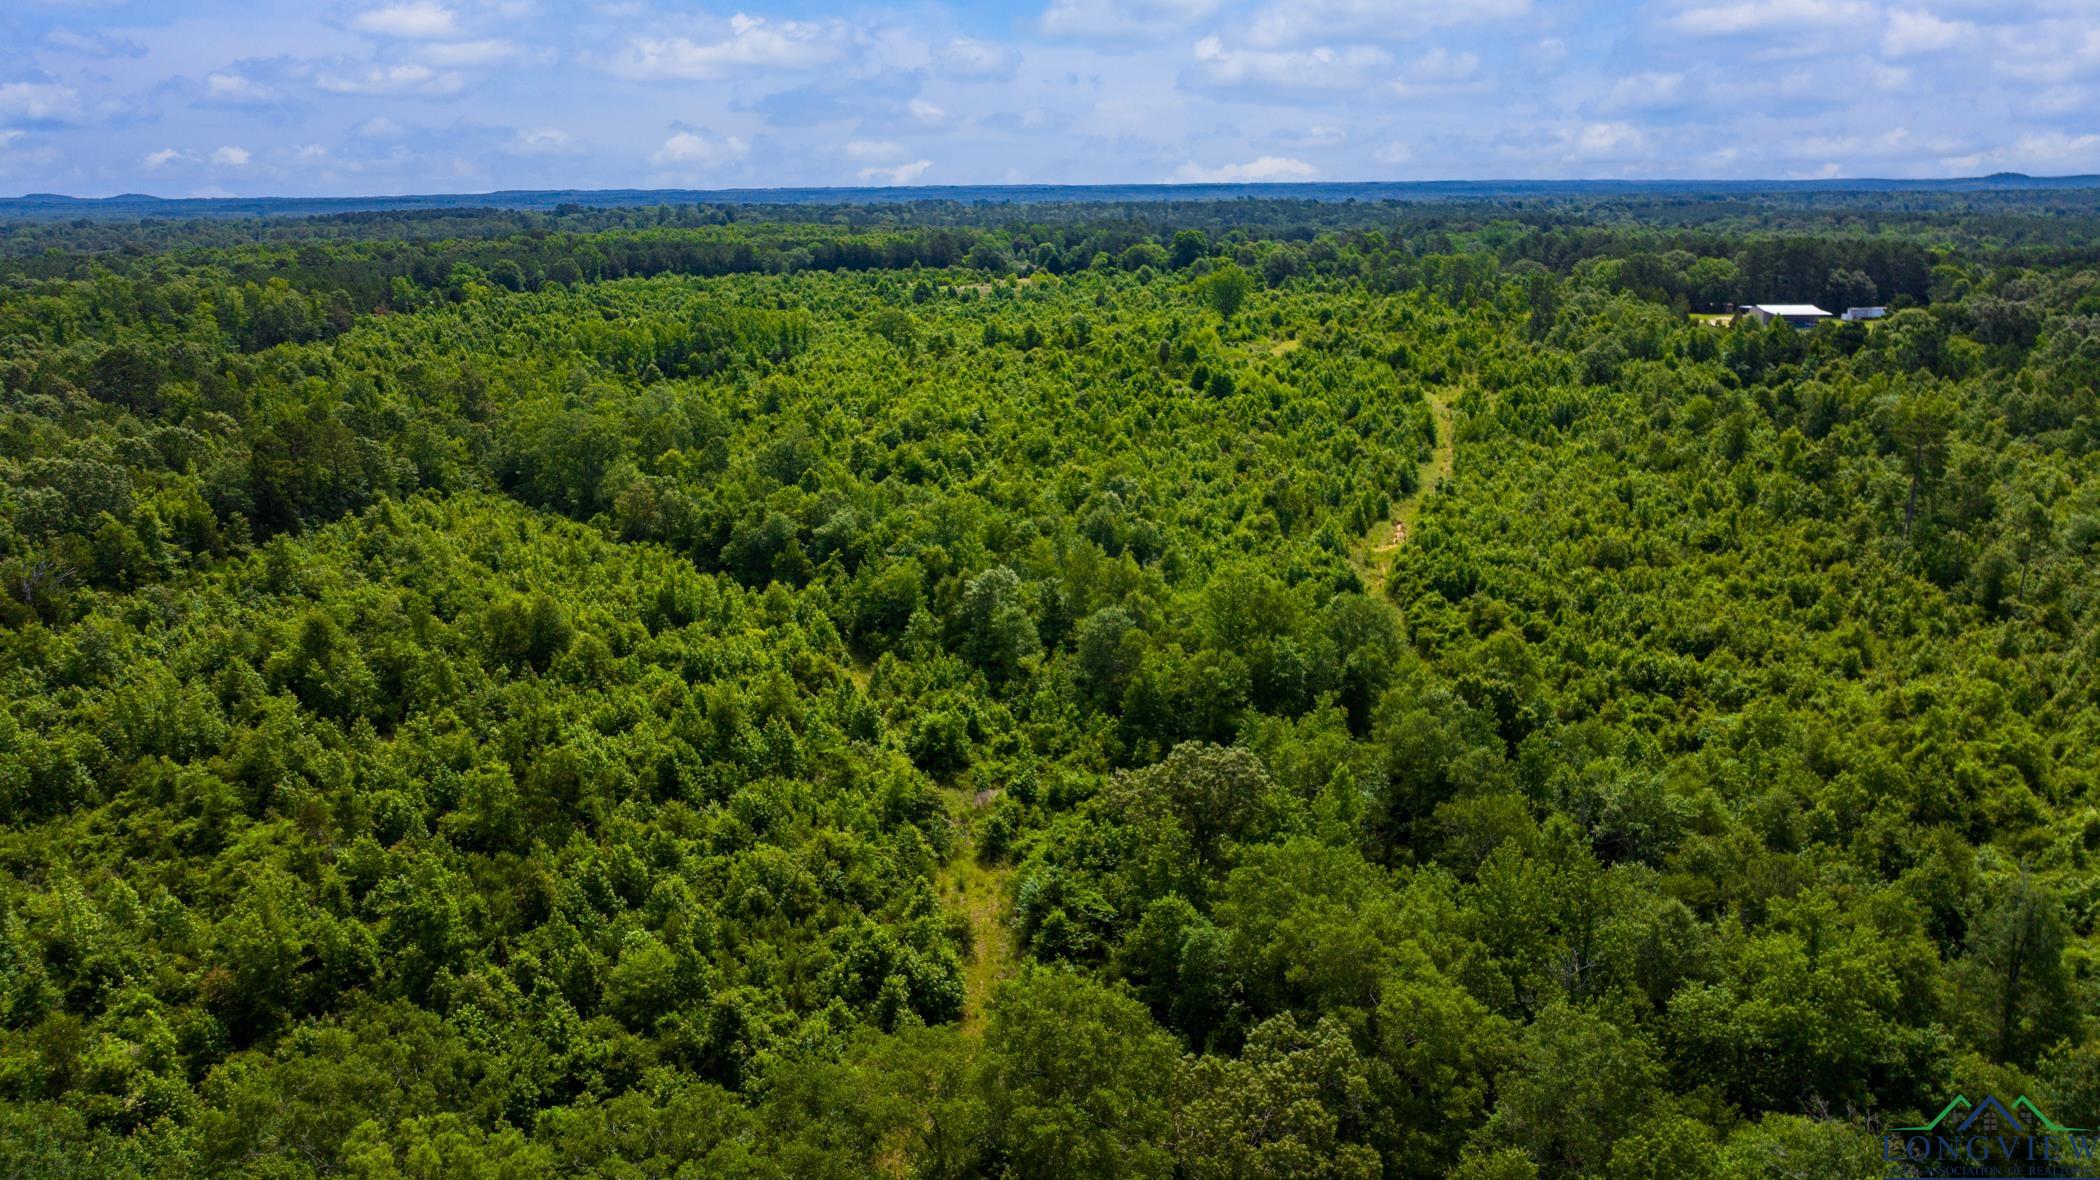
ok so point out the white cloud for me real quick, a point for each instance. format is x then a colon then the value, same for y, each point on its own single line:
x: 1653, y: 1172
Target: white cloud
x: 469, y: 53
x: 238, y: 90
x: 1888, y: 77
x: 1731, y: 17
x: 379, y: 127
x: 1320, y: 68
x: 405, y: 80
x: 1110, y: 20
x: 545, y: 141
x: 895, y: 173
x: 926, y: 112
x: 231, y: 157
x: 1642, y: 92
x: 1394, y: 153
x: 418, y: 21
x: 1911, y: 32
x: 1438, y: 70
x: 39, y: 102
x: 2051, y: 52
x: 969, y: 60
x: 93, y: 44
x: 2054, y: 147
x: 874, y: 149
x: 1300, y: 22
x: 13, y: 161
x: 154, y: 161
x: 752, y: 43
x: 688, y: 150
x: 1317, y: 135
x: 1893, y: 144
x: 2058, y: 101
x: 1603, y: 141
x: 1266, y: 168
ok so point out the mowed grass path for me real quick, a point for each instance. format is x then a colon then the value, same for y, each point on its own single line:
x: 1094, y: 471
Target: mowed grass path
x: 1375, y: 549
x: 982, y: 894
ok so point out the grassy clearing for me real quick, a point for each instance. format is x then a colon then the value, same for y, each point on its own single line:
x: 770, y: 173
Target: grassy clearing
x: 1375, y: 549
x: 981, y: 893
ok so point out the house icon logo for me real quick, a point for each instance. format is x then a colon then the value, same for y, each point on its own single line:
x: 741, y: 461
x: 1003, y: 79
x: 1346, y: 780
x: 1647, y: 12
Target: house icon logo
x: 1993, y: 1139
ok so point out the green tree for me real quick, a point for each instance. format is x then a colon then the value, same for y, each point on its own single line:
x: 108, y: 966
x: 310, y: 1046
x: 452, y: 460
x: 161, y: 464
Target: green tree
x: 1225, y: 290
x: 1078, y: 1080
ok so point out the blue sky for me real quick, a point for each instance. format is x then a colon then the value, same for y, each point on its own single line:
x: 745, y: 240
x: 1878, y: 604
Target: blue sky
x: 202, y: 97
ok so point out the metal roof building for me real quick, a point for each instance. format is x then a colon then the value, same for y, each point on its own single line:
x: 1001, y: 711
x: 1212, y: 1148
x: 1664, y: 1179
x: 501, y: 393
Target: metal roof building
x: 1801, y: 315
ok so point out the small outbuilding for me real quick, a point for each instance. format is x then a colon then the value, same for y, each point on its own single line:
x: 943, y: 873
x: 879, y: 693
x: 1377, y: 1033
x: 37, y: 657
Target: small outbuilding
x: 1800, y: 315
x: 1859, y: 315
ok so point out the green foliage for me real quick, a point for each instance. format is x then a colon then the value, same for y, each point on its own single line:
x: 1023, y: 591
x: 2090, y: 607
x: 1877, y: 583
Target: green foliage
x: 1225, y: 290
x: 613, y: 693
x: 1080, y: 1080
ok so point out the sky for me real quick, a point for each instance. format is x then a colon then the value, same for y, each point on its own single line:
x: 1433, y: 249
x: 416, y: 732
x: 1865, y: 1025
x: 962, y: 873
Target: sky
x: 381, y: 97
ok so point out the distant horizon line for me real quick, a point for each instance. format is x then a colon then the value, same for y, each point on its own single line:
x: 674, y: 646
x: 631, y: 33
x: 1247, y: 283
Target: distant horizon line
x: 1794, y: 181
x: 527, y: 198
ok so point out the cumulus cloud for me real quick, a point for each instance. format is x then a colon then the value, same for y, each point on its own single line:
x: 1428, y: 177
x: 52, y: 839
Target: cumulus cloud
x: 895, y: 174
x: 93, y: 44
x: 544, y: 141
x: 155, y: 161
x: 20, y: 161
x: 1301, y: 22
x: 1911, y: 32
x: 1603, y: 141
x: 1315, y: 136
x: 748, y: 44
x: 2055, y: 148
x: 1727, y: 17
x: 39, y: 102
x: 398, y: 80
x: 687, y: 151
x: 415, y: 20
x: 1438, y: 71
x: 1255, y: 171
x: 469, y: 54
x: 1219, y: 67
x: 2050, y: 52
x: 231, y: 157
x: 881, y: 96
x: 874, y: 149
x: 967, y: 59
x: 1647, y: 91
x: 229, y: 88
x: 1117, y: 20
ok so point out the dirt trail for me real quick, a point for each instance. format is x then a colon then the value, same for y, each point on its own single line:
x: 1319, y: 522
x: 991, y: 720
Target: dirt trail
x: 1374, y: 551
x: 979, y: 892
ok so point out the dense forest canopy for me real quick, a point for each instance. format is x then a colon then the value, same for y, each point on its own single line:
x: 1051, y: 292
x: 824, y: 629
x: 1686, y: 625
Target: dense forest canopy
x: 1215, y: 690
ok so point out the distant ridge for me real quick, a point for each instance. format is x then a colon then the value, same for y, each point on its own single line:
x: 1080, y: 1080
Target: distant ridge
x: 133, y: 206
